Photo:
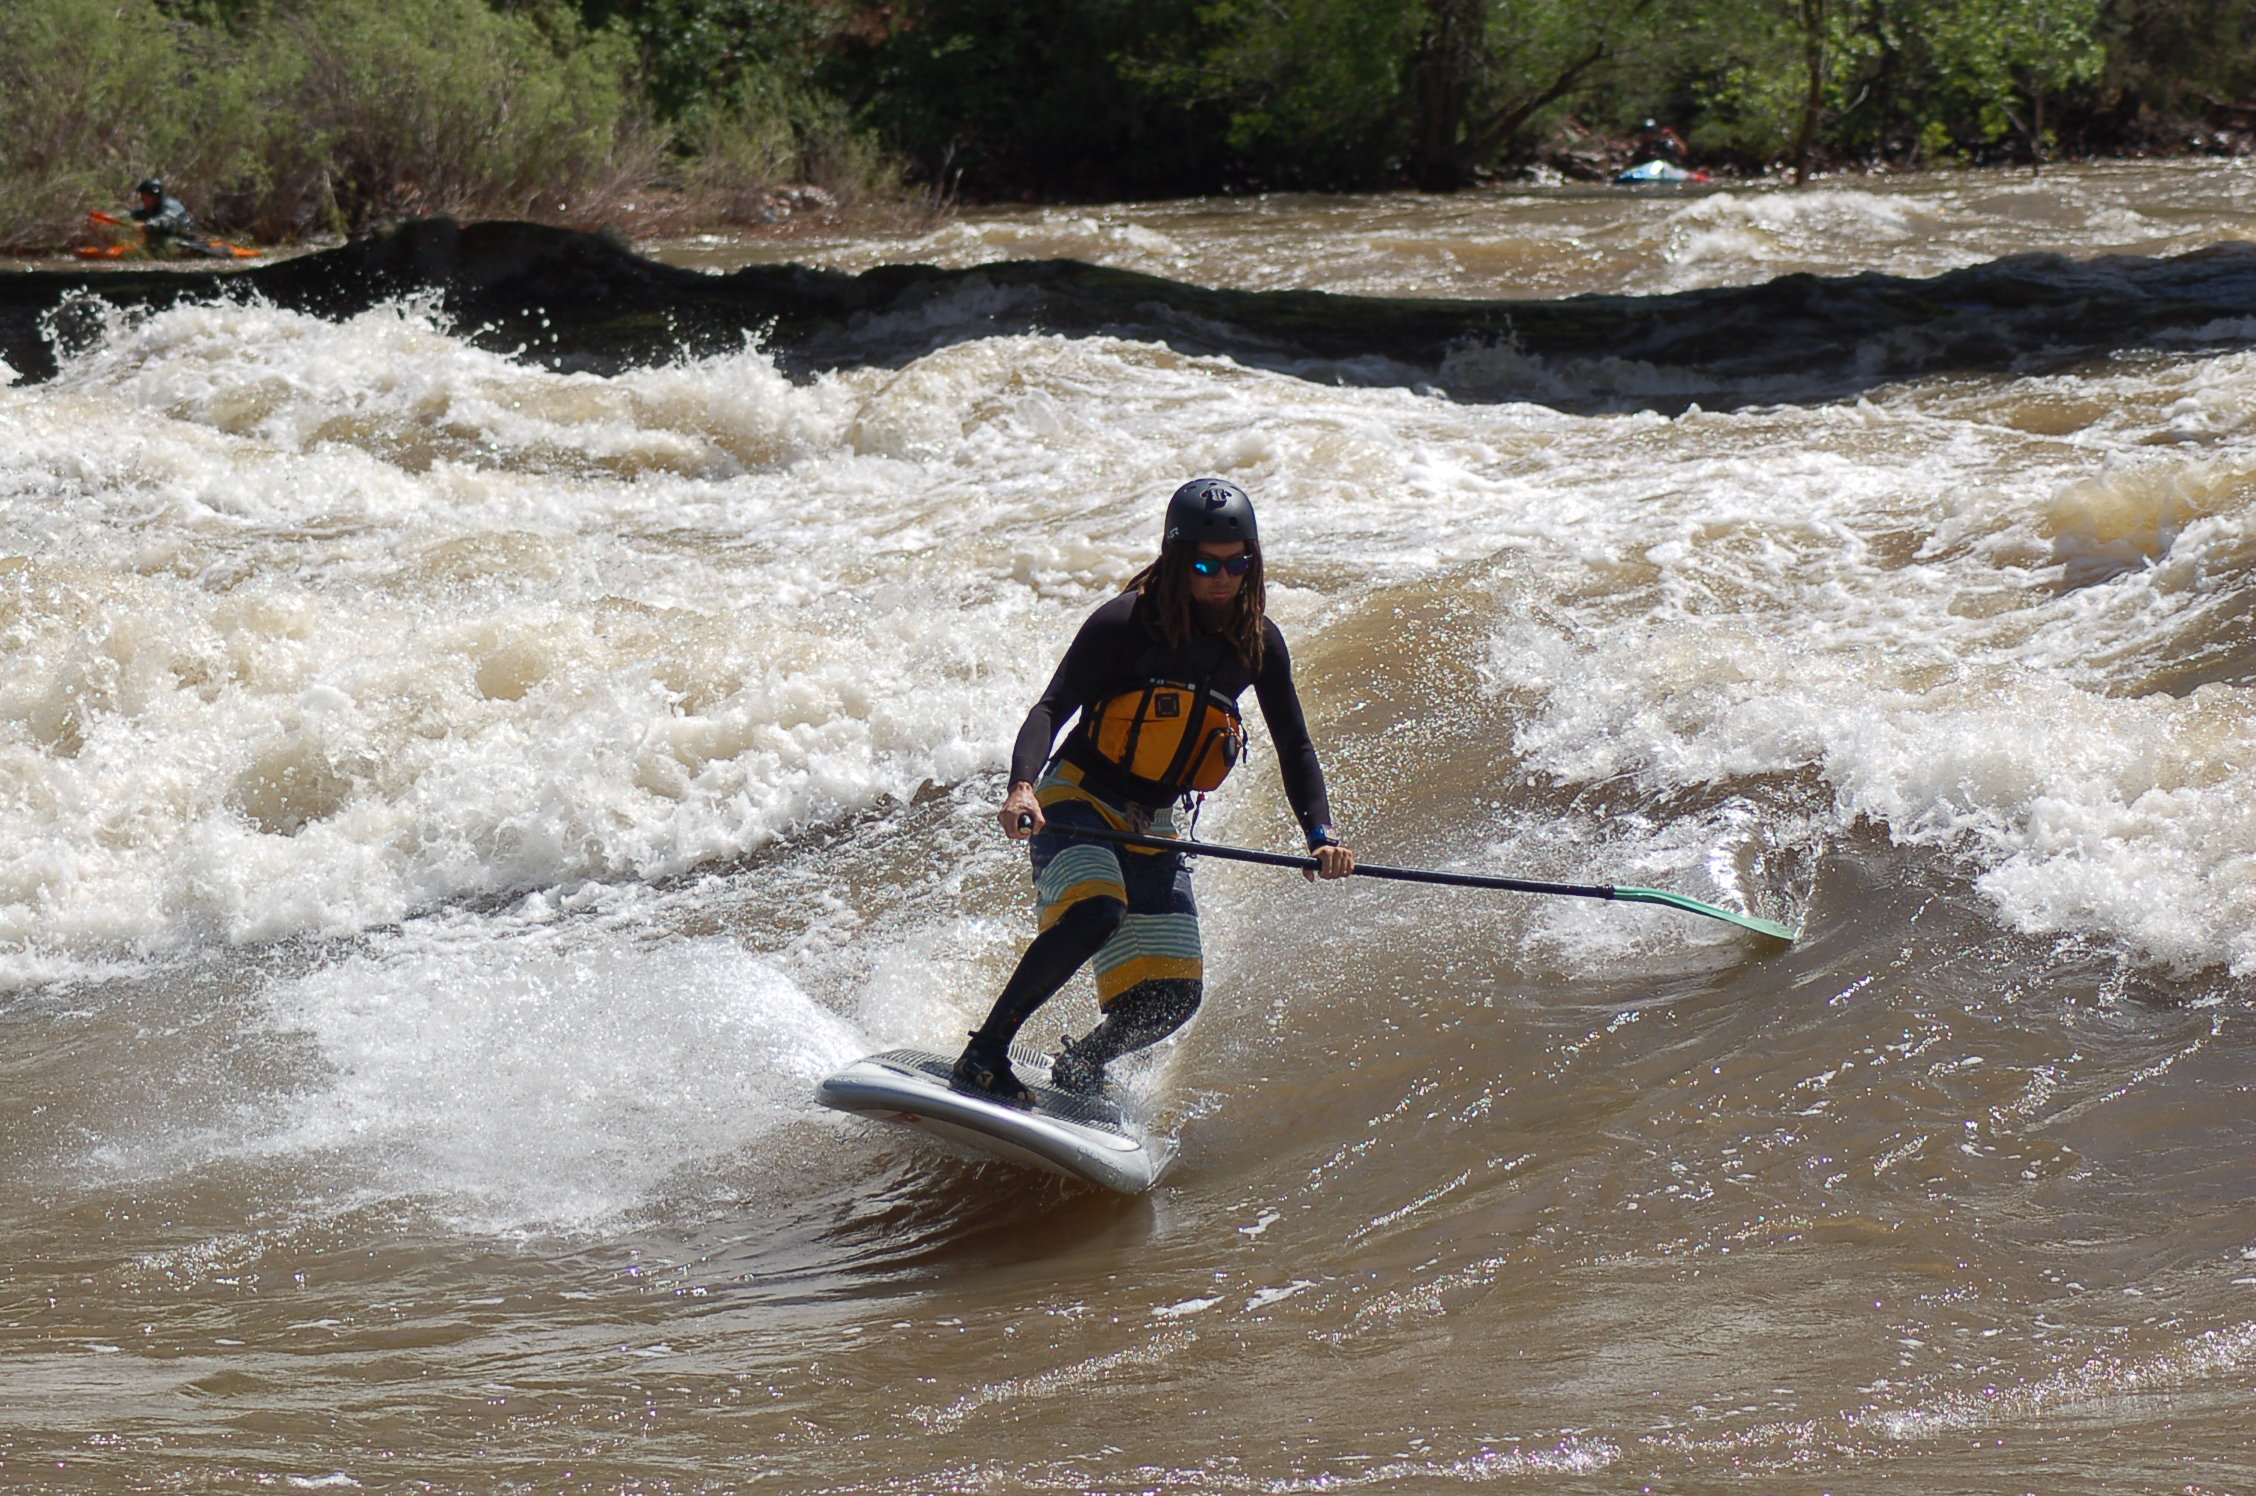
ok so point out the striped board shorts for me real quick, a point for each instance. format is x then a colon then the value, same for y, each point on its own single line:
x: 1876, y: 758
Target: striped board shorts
x: 1159, y: 940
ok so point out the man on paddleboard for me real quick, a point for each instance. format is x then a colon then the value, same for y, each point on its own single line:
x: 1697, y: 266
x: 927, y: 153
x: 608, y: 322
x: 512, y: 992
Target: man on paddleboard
x: 1152, y: 682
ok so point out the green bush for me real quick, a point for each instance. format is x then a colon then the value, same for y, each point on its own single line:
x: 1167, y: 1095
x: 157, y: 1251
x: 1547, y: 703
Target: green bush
x: 277, y: 118
x: 1317, y: 90
x: 1063, y: 98
x: 733, y: 149
x: 316, y: 114
x: 397, y: 108
x: 94, y: 95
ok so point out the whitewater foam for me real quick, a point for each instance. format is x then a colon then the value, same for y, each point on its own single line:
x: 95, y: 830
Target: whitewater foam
x: 1960, y: 681
x: 526, y: 1084
x: 342, y: 621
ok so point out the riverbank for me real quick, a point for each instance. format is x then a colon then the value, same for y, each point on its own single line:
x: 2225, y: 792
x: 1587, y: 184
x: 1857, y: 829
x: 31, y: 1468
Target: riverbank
x: 774, y: 218
x: 589, y: 304
x: 805, y: 221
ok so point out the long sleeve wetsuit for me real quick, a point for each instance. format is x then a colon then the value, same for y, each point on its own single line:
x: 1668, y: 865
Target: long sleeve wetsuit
x: 1117, y: 651
x: 168, y: 225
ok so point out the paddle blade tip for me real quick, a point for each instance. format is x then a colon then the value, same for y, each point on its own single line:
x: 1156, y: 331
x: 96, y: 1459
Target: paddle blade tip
x: 1753, y: 923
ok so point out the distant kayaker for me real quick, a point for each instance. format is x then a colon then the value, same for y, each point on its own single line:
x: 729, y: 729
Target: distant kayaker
x: 1657, y: 142
x: 1154, y: 676
x: 167, y: 227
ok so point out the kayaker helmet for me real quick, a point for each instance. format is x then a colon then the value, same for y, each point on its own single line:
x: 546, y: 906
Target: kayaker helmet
x: 150, y: 187
x: 1210, y: 510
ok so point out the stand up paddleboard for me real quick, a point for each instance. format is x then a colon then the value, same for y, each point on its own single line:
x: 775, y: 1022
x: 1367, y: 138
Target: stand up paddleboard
x: 1090, y: 1138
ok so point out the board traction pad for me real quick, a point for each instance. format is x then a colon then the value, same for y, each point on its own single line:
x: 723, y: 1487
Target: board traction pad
x: 1082, y: 1111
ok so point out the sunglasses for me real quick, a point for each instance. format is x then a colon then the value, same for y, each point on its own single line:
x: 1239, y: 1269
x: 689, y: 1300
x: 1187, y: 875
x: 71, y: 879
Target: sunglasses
x: 1213, y: 566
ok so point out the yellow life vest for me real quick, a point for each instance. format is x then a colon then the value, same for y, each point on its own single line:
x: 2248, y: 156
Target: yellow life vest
x: 1170, y: 736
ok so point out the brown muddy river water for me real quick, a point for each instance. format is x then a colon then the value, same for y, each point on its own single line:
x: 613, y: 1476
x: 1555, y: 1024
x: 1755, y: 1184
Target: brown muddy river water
x: 455, y: 812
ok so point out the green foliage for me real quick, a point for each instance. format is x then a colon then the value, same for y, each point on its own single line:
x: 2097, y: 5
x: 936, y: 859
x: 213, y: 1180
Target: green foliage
x: 1532, y: 44
x: 1755, y: 103
x: 714, y: 54
x: 2177, y: 55
x: 279, y: 117
x: 736, y: 84
x: 283, y: 116
x: 1314, y: 90
x: 405, y: 107
x: 1923, y: 79
x: 93, y: 94
x: 2005, y: 58
x: 1061, y: 97
x: 1360, y: 92
x: 733, y: 147
x: 1143, y: 96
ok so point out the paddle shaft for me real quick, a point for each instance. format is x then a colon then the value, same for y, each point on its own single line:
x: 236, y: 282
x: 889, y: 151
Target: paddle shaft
x: 1308, y: 864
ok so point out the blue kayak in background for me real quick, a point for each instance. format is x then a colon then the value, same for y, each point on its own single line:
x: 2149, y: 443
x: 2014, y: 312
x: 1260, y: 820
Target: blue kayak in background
x: 1657, y: 171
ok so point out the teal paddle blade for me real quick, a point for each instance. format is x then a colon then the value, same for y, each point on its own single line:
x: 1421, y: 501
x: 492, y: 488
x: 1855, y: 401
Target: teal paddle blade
x: 1760, y: 926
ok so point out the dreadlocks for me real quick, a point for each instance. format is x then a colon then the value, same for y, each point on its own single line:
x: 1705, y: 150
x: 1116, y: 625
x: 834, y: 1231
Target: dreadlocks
x: 1174, y: 615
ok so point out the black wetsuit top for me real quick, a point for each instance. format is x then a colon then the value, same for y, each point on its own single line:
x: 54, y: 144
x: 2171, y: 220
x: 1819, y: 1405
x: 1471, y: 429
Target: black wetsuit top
x: 1663, y: 144
x: 1115, y: 652
x: 167, y: 223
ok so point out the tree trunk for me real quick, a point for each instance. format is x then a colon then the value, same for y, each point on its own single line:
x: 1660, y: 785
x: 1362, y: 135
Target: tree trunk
x: 1813, y: 97
x: 1486, y: 138
x: 1448, y: 58
x: 2036, y: 135
x: 1884, y: 105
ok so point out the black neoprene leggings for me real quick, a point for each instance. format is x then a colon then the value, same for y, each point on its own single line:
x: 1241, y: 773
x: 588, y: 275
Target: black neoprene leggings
x: 1143, y: 1015
x: 1056, y: 954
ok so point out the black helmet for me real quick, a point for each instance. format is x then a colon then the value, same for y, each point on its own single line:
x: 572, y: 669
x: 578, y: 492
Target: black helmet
x: 151, y: 186
x: 1210, y: 509
x: 1650, y: 125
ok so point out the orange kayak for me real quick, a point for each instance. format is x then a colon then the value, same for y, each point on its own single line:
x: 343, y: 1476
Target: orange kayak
x: 136, y: 246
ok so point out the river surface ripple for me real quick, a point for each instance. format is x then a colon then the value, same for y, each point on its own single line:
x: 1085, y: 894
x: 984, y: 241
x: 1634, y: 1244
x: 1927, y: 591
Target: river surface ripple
x: 455, y: 811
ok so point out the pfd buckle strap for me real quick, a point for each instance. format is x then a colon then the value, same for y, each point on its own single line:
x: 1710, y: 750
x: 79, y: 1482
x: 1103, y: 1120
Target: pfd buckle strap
x: 1186, y: 750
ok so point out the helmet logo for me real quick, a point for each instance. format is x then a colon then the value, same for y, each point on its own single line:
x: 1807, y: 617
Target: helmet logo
x: 1210, y: 509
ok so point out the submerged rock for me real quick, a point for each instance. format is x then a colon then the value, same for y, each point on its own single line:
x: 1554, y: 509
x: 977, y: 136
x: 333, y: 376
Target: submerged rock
x: 586, y: 302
